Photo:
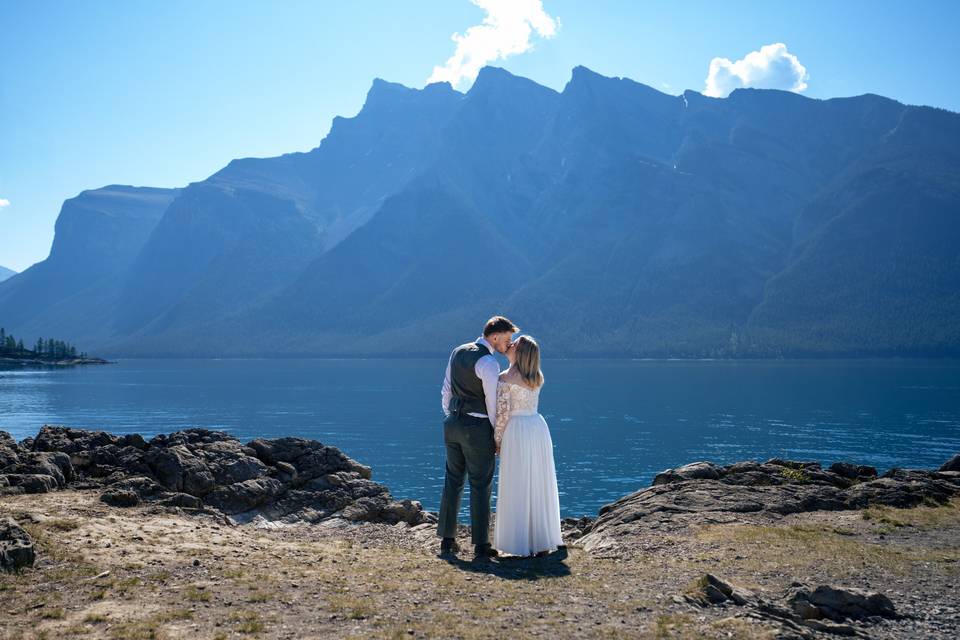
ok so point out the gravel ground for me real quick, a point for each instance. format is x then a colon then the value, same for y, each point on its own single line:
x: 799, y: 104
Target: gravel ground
x: 148, y: 573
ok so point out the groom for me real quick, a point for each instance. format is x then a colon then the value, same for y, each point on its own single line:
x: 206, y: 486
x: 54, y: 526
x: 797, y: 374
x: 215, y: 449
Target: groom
x: 469, y: 396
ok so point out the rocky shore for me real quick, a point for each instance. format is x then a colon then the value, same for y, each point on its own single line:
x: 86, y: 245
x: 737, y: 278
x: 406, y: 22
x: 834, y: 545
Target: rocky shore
x: 197, y: 534
x: 198, y: 470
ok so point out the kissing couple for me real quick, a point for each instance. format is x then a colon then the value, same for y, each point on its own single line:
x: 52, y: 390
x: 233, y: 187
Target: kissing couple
x: 490, y: 414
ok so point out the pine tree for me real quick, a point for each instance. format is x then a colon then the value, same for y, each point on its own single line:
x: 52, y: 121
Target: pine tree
x: 45, y: 348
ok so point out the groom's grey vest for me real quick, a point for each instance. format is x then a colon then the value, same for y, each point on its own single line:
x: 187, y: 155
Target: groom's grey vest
x: 465, y: 386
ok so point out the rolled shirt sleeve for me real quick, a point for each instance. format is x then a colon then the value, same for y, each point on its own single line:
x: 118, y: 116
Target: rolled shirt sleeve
x: 488, y: 370
x: 445, y: 393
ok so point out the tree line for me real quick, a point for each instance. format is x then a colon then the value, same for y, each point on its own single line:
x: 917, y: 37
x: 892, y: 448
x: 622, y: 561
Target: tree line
x: 49, y: 349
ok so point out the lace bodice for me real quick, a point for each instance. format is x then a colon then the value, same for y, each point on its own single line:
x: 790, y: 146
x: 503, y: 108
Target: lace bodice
x: 513, y: 399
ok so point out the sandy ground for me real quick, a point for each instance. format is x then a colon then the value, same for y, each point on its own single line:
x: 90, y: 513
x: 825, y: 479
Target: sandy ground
x: 104, y: 572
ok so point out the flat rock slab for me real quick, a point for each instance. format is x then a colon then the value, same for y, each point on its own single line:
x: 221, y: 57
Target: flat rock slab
x: 825, y: 609
x: 705, y: 493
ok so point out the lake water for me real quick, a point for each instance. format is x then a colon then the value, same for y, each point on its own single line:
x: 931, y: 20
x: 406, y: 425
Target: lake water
x: 615, y: 423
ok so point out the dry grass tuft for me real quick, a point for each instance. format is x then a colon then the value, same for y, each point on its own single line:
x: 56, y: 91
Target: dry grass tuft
x: 247, y: 622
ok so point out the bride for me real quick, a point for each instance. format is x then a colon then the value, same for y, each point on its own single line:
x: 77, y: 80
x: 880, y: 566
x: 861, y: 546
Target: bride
x: 528, y: 504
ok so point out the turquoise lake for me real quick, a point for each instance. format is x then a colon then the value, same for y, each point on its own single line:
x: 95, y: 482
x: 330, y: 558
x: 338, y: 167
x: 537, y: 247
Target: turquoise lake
x: 615, y: 423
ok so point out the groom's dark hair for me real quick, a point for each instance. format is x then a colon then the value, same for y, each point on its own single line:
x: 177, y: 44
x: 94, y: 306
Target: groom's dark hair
x: 499, y: 324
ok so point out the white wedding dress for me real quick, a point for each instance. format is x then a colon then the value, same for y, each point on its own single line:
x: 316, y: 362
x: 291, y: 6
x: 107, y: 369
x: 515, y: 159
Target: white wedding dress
x: 528, y: 504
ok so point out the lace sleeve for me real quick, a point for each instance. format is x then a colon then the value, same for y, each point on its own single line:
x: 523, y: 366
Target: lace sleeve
x: 503, y: 411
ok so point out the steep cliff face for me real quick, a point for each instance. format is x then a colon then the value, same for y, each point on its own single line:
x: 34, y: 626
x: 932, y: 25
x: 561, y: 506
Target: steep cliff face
x: 609, y: 218
x: 99, y: 234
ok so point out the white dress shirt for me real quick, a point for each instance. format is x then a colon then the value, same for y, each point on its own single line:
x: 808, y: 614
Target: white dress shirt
x: 488, y: 370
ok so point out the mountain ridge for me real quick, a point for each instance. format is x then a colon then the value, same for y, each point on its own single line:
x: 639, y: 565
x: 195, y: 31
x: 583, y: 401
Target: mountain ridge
x: 613, y: 219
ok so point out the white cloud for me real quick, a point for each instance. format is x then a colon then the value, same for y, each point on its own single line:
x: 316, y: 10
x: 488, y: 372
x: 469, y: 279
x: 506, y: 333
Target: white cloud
x: 4, y: 202
x: 506, y: 30
x: 773, y: 67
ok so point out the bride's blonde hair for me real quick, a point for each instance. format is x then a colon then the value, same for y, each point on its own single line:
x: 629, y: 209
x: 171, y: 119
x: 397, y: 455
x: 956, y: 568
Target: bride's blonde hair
x: 528, y: 361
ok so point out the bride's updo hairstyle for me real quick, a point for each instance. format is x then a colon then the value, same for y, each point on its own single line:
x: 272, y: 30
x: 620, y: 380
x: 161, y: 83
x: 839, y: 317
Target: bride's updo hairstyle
x: 528, y: 361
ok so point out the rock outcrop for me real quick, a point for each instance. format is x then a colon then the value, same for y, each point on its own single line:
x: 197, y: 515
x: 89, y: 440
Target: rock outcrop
x: 290, y: 479
x: 825, y: 609
x: 16, y: 546
x: 953, y: 464
x: 703, y: 492
x: 840, y: 604
x: 710, y: 590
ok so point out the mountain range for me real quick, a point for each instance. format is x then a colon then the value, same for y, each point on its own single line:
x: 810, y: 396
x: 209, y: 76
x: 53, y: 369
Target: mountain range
x: 6, y: 273
x: 608, y: 219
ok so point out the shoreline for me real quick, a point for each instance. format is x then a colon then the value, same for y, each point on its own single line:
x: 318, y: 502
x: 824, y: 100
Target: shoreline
x: 753, y: 550
x: 579, y: 516
x: 12, y: 363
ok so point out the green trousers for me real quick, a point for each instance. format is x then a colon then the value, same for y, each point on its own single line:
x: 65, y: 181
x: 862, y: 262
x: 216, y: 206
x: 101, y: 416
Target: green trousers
x: 471, y: 452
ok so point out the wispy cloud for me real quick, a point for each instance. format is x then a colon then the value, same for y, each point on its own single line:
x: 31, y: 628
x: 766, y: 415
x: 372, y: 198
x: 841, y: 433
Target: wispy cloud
x: 772, y: 67
x: 4, y: 202
x: 506, y: 30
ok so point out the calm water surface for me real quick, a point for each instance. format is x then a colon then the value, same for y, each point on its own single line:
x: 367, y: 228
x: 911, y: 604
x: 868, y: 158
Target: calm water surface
x: 615, y: 423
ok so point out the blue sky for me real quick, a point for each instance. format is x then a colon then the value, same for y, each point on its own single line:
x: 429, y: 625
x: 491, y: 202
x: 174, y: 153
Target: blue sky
x: 165, y: 93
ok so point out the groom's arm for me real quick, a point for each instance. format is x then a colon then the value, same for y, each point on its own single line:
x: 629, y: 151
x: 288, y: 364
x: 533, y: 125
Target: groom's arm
x: 488, y: 371
x: 445, y: 392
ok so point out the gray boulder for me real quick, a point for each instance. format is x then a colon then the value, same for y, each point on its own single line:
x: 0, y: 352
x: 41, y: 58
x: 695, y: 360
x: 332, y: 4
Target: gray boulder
x: 53, y: 464
x: 184, y: 500
x: 119, y: 497
x: 9, y: 451
x: 16, y: 546
x: 382, y: 508
x: 31, y: 482
x: 131, y: 491
x: 309, y: 458
x: 692, y: 471
x: 69, y: 441
x: 178, y: 469
x: 711, y: 590
x: 953, y: 464
x: 230, y: 462
x: 395, y: 511
x: 16, y: 459
x: 853, y: 471
x: 839, y: 604
x: 244, y: 496
x: 285, y: 472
